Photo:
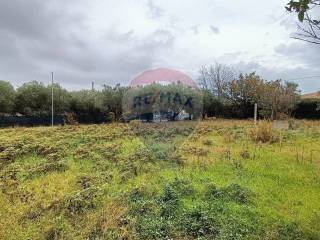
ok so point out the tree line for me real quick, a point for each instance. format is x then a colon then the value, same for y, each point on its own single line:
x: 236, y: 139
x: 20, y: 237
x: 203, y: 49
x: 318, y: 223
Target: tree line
x: 224, y: 94
x: 34, y: 99
x: 227, y: 94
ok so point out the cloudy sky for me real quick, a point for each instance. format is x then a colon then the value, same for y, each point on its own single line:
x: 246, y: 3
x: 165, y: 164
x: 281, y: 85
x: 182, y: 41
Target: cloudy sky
x: 111, y: 41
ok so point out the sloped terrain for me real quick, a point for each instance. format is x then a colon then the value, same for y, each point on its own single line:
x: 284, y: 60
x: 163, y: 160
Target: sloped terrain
x: 216, y: 179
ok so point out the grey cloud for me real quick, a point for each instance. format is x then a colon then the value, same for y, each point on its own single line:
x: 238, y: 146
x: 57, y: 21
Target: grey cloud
x: 156, y: 11
x: 305, y: 53
x: 214, y: 29
x: 37, y: 38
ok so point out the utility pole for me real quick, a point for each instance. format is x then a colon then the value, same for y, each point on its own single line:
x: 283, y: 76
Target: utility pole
x: 51, y: 98
x: 92, y: 86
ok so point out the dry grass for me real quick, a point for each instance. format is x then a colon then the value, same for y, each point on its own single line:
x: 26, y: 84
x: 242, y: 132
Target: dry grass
x: 264, y: 132
x: 315, y: 95
x: 74, y: 182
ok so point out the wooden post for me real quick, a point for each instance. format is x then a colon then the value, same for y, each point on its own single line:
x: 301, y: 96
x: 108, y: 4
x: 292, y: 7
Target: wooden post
x: 255, y: 113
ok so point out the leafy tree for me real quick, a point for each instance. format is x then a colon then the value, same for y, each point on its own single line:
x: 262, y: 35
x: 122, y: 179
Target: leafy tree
x: 32, y: 98
x: 7, y: 95
x: 278, y: 98
x: 272, y: 97
x: 61, y: 98
x: 86, y: 101
x: 212, y: 106
x: 112, y: 101
x: 309, y: 29
x: 244, y: 92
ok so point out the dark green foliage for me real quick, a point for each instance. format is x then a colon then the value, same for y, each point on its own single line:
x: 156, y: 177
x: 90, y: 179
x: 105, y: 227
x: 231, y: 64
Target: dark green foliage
x: 7, y: 95
x: 168, y: 202
x: 233, y: 192
x: 290, y: 231
x: 32, y: 99
x: 198, y: 222
x: 112, y: 101
x: 212, y: 106
x: 308, y: 109
x: 140, y: 203
x: 165, y: 215
x: 154, y: 227
x: 301, y: 7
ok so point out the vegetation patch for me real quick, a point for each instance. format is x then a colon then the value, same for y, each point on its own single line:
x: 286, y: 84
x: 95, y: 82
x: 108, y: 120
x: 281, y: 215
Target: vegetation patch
x: 160, y: 181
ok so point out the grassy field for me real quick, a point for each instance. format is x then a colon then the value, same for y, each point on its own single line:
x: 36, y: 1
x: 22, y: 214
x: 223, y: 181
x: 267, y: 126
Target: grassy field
x: 215, y: 179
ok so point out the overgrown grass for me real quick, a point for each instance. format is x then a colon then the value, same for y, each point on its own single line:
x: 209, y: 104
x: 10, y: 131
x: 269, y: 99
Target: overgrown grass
x: 217, y: 179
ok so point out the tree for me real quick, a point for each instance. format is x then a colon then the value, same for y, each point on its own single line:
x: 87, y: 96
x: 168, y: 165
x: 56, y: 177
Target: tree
x: 212, y: 106
x: 278, y: 98
x: 33, y: 98
x: 7, y: 95
x: 61, y: 99
x: 272, y: 97
x: 169, y: 100
x: 244, y: 92
x: 86, y: 101
x: 215, y: 78
x: 309, y: 28
x: 112, y: 100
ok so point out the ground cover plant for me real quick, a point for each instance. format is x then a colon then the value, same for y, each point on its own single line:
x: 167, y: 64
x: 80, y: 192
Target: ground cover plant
x: 216, y: 179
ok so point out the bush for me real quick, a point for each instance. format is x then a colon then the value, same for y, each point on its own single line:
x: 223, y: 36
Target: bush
x: 308, y: 109
x: 289, y: 231
x: 198, y: 222
x: 70, y: 119
x: 154, y: 227
x: 264, y: 133
x: 168, y: 202
x: 233, y: 192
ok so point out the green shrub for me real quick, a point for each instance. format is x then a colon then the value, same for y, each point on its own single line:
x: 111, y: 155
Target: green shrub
x: 290, y: 231
x: 152, y: 226
x: 168, y: 202
x: 233, y: 192
x: 198, y: 222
